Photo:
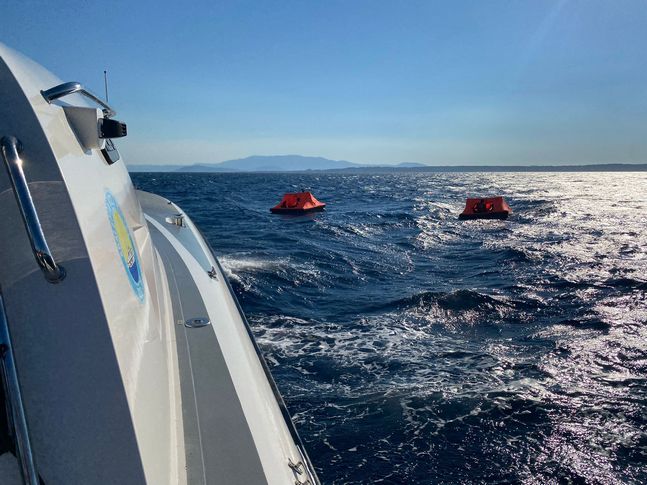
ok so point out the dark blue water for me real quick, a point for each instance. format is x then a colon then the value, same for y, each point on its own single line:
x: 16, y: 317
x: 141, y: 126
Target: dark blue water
x: 415, y: 348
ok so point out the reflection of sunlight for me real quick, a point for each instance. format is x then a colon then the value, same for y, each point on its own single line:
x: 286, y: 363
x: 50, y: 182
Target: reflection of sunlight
x: 594, y: 396
x: 585, y: 236
x: 539, y: 35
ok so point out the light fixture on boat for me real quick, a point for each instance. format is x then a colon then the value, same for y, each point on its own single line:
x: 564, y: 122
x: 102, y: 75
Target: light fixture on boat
x: 112, y: 128
x: 176, y: 219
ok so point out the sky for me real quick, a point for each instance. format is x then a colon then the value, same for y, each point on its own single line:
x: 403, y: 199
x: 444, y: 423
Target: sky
x: 505, y: 82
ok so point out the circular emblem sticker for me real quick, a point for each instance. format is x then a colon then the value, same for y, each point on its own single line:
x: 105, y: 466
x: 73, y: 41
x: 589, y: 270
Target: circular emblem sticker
x: 125, y: 246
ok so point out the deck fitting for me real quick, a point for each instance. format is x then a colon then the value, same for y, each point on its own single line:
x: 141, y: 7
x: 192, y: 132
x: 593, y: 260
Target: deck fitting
x: 197, y: 322
x: 176, y: 220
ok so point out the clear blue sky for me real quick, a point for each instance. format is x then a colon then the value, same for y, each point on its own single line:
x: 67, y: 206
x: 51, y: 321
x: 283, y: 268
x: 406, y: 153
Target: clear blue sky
x: 438, y: 82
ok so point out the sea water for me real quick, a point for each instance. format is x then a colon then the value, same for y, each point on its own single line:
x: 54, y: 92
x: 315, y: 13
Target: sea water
x: 412, y: 347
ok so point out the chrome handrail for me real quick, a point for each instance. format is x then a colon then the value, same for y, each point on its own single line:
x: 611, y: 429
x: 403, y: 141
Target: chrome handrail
x: 14, y: 402
x: 11, y: 149
x: 66, y: 89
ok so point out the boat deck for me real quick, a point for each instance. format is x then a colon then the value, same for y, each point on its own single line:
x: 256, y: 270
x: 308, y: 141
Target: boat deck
x: 219, y: 447
x: 231, y: 427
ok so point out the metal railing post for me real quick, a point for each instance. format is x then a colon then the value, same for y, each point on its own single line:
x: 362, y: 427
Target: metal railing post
x: 17, y: 415
x: 11, y: 149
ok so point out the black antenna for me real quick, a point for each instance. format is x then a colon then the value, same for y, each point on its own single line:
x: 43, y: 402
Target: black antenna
x: 105, y: 83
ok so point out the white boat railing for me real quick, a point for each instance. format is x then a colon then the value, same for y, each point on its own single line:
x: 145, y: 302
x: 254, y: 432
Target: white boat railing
x: 66, y: 89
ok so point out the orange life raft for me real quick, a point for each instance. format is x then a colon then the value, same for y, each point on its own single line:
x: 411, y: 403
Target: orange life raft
x: 488, y: 208
x: 298, y: 203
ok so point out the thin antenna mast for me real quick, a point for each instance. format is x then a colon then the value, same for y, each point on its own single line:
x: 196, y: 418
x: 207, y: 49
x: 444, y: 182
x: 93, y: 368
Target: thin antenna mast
x: 105, y: 83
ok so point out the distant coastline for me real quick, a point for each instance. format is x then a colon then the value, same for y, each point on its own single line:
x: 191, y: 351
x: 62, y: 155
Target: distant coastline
x: 299, y: 163
x: 607, y: 167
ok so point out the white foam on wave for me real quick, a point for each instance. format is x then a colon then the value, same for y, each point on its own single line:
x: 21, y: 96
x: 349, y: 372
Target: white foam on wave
x: 233, y: 264
x: 394, y: 353
x: 245, y: 270
x: 241, y: 268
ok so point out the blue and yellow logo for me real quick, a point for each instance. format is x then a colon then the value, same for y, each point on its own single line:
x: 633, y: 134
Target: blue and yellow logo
x: 125, y: 245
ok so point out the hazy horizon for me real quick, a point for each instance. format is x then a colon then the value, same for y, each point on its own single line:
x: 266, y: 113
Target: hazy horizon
x: 297, y: 163
x: 546, y: 82
x: 394, y: 164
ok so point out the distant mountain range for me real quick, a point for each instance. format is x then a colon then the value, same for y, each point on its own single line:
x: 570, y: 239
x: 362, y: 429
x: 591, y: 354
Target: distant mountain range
x: 153, y: 168
x: 298, y: 163
x: 270, y: 163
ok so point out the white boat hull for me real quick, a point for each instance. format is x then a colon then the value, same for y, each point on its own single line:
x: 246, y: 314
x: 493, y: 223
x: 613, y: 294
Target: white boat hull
x: 116, y: 386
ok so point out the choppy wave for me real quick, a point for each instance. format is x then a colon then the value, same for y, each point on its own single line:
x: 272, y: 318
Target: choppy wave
x: 415, y: 348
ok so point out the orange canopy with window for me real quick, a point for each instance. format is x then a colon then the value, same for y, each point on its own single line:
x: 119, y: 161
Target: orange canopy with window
x: 486, y: 208
x: 298, y: 202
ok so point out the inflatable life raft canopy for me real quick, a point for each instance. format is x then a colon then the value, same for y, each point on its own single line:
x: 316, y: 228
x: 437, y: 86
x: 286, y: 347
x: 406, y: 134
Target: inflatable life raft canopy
x: 298, y: 203
x: 487, y: 208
